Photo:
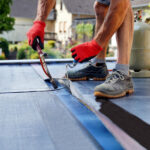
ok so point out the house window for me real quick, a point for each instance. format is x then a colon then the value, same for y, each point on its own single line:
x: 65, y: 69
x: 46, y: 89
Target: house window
x: 65, y: 26
x: 60, y: 26
x: 61, y: 5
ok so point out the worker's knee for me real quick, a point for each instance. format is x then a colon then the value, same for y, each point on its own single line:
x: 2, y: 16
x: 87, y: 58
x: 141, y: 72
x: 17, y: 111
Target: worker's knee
x: 100, y: 10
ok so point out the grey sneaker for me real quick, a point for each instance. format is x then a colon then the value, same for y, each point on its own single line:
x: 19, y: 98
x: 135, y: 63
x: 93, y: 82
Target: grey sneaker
x: 116, y: 85
x: 89, y: 71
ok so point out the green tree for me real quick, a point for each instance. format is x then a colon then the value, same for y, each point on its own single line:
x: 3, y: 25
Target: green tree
x: 80, y: 30
x: 6, y: 22
x: 89, y: 29
x: 84, y: 29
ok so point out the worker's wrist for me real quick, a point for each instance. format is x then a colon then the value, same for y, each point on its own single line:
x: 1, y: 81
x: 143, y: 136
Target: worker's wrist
x: 38, y: 18
x: 96, y: 44
x: 40, y: 22
x: 98, y: 41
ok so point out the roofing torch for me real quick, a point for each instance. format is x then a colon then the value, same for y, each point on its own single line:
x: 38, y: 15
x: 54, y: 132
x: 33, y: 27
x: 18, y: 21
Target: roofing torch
x: 43, y: 63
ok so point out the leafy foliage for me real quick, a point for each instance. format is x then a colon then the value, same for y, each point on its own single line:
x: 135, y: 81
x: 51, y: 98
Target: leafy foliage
x: 52, y: 53
x: 2, y: 57
x: 88, y: 30
x: 34, y: 56
x: 4, y: 45
x: 21, y: 54
x: 24, y: 51
x: 51, y: 43
x: 84, y: 29
x: 6, y: 22
x: 80, y: 30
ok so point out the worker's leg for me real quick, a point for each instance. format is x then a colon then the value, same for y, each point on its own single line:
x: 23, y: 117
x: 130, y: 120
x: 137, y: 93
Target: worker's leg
x: 113, y: 20
x: 100, y: 12
x: 119, y: 83
x: 125, y: 38
x: 92, y: 71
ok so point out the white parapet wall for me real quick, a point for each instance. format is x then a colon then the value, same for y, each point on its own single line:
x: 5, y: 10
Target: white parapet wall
x: 22, y: 25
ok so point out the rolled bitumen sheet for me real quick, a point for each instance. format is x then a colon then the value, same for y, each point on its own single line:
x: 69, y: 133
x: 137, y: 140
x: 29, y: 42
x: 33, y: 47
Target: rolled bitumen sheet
x: 35, y: 121
x: 84, y: 92
x: 41, y: 120
x: 130, y: 113
x: 15, y: 78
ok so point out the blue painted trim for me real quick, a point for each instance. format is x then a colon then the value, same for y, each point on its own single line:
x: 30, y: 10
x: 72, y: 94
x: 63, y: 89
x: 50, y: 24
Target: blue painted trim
x: 89, y: 121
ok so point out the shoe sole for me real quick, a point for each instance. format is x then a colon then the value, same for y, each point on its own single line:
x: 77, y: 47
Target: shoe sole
x: 100, y: 94
x: 86, y: 79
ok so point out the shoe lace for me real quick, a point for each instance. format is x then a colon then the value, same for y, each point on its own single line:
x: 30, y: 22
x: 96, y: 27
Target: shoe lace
x: 116, y: 75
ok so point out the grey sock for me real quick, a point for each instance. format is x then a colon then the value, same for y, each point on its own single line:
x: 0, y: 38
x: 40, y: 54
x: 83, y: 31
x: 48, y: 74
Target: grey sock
x: 95, y: 60
x: 123, y: 68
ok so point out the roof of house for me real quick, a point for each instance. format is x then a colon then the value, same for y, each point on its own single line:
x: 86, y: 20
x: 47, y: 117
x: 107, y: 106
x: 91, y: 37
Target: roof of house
x: 80, y: 6
x: 140, y: 3
x: 24, y: 8
x: 27, y: 9
x: 86, y: 6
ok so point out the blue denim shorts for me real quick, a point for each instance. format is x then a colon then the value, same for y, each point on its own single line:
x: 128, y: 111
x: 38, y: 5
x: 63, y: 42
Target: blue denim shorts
x: 105, y: 2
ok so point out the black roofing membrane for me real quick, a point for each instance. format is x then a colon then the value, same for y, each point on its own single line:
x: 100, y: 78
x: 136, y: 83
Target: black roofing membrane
x: 15, y: 78
x: 36, y: 120
x: 39, y: 121
x: 131, y: 113
x: 39, y: 109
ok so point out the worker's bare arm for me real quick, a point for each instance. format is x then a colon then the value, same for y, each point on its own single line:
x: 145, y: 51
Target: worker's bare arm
x: 113, y: 20
x: 44, y: 8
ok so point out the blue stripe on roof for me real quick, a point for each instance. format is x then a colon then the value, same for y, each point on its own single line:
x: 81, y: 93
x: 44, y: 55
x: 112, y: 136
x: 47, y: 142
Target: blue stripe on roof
x: 89, y: 121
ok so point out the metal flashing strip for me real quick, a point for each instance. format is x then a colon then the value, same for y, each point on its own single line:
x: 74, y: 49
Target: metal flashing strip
x: 89, y: 121
x: 37, y: 61
x: 26, y: 91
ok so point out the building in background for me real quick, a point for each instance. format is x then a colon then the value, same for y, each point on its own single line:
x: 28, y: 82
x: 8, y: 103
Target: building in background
x: 69, y: 13
x: 62, y: 20
x: 24, y: 13
x: 59, y: 22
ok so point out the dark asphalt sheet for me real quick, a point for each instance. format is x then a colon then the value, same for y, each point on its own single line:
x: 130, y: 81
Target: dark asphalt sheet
x: 95, y: 126
x: 57, y: 70
x: 138, y: 103
x: 39, y: 121
x: 89, y: 121
x: 15, y: 78
x: 36, y: 120
x: 131, y: 113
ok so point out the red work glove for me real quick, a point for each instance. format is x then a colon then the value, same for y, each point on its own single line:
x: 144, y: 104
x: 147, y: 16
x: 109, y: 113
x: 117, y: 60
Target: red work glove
x: 37, y: 31
x: 85, y: 51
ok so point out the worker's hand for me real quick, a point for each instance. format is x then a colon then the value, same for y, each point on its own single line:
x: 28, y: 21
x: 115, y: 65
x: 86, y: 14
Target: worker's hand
x: 85, y: 51
x: 37, y: 31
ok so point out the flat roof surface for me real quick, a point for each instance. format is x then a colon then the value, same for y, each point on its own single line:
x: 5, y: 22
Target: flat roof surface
x: 34, y: 116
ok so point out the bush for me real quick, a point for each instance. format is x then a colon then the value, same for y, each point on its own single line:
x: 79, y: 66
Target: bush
x: 68, y: 55
x: 21, y: 54
x: 52, y: 53
x: 13, y: 47
x: 51, y: 43
x: 4, y: 45
x: 24, y: 45
x: 2, y: 57
x: 84, y: 29
x: 24, y: 51
x: 34, y: 56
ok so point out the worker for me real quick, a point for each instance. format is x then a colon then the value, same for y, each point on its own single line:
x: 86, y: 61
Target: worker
x: 112, y: 16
